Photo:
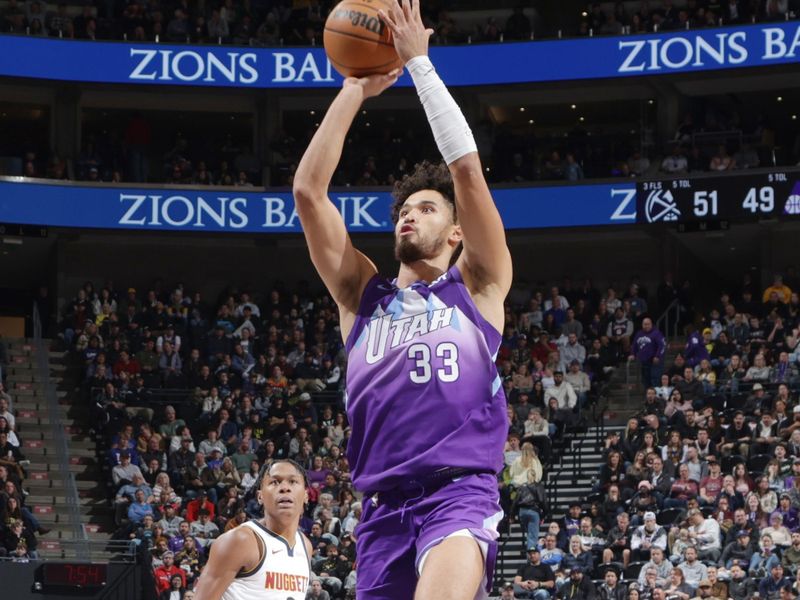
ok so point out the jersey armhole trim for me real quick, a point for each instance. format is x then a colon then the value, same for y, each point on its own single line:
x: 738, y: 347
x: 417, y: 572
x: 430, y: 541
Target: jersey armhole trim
x: 262, y: 553
x: 353, y: 336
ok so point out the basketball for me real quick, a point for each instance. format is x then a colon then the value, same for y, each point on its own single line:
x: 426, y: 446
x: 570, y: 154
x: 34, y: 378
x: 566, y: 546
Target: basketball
x: 357, y: 42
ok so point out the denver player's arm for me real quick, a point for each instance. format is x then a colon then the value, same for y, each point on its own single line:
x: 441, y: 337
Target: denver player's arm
x: 344, y: 269
x: 231, y: 553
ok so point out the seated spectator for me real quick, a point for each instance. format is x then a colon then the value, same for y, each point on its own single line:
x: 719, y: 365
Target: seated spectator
x: 773, y: 582
x: 200, y: 479
x: 562, y: 400
x: 646, y: 537
x: 738, y: 551
x: 124, y: 472
x: 19, y: 542
x: 577, y: 556
x: 535, y: 580
x: 740, y: 587
x: 692, y: 571
x: 722, y: 161
x: 778, y: 533
x: 201, y: 502
x: 790, y: 558
x: 682, y: 489
x: 167, y: 571
x: 705, y: 535
x: 204, y: 530
x: 551, y: 555
x: 618, y: 541
x: 577, y: 586
x: 676, y: 162
x: 139, y: 508
x: 660, y: 567
x: 315, y: 591
x: 765, y: 559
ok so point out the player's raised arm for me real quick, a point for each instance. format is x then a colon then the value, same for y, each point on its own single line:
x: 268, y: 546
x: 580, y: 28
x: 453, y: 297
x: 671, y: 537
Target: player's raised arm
x: 231, y: 553
x: 486, y: 258
x: 344, y: 270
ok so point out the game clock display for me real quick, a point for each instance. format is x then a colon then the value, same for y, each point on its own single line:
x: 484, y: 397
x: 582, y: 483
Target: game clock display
x: 731, y: 197
x: 73, y: 575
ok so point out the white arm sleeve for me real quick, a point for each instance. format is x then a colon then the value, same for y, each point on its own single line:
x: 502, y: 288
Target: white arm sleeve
x: 450, y: 129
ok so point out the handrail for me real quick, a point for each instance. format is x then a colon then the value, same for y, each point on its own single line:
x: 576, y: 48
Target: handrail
x: 670, y: 328
x: 60, y: 445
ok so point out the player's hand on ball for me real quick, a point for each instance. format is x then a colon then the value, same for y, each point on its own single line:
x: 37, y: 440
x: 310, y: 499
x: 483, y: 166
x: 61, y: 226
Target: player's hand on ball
x: 374, y: 85
x: 409, y: 34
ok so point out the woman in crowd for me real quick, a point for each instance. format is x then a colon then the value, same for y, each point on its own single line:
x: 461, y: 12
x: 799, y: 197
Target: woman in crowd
x: 576, y: 556
x: 631, y: 439
x: 755, y: 514
x: 637, y: 471
x: 781, y: 536
x: 526, y: 468
x: 649, y: 443
x: 672, y: 452
x: 249, y: 479
x: 612, y: 472
x: 522, y: 379
x: 741, y: 479
x: 767, y: 498
x: 775, y: 481
x: 163, y: 486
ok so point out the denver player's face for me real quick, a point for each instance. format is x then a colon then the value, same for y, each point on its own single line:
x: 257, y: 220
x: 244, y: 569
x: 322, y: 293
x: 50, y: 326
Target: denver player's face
x: 283, y: 491
x: 424, y: 224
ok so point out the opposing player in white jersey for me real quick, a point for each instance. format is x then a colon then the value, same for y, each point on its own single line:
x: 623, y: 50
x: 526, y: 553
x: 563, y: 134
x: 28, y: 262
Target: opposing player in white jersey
x: 265, y: 559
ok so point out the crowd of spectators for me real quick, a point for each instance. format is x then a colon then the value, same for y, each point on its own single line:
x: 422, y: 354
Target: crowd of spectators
x: 715, y: 140
x: 245, y: 23
x: 18, y: 524
x: 277, y: 23
x: 699, y: 495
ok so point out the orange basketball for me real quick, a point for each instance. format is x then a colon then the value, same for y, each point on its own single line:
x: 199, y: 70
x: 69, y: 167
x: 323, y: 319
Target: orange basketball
x: 357, y: 42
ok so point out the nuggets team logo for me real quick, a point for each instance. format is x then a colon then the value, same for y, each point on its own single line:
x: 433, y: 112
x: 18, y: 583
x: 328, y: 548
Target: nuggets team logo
x: 661, y: 206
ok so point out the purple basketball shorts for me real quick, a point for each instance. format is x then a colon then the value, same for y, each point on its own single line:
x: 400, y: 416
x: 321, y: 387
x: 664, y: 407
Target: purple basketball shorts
x: 398, y: 528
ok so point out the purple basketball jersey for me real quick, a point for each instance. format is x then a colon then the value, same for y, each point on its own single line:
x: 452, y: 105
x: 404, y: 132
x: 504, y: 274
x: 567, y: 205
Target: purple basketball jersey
x: 423, y: 391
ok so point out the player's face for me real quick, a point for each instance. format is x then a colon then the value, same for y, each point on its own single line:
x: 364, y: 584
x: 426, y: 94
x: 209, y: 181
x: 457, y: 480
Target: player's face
x: 425, y: 227
x: 283, y: 491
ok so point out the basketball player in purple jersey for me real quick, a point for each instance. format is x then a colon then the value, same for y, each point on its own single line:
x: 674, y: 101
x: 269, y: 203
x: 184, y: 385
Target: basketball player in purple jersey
x: 424, y: 399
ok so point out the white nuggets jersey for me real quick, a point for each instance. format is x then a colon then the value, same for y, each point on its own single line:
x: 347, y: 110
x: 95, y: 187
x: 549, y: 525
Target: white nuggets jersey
x: 282, y: 572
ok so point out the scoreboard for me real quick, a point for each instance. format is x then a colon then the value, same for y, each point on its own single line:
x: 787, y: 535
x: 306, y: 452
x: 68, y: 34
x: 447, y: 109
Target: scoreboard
x: 730, y: 197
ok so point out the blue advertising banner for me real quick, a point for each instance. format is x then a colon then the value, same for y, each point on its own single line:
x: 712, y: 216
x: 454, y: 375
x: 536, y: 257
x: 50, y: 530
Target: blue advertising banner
x: 485, y: 64
x: 215, y: 210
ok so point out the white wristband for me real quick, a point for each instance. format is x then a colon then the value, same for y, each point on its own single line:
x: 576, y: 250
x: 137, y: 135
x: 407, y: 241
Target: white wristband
x: 450, y: 129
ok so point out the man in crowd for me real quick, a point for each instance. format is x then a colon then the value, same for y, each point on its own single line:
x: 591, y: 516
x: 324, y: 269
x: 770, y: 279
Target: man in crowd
x: 534, y: 581
x: 649, y: 347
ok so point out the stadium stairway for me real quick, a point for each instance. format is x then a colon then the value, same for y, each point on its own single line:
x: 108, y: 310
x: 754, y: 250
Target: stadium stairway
x: 45, y: 484
x: 569, y: 481
x: 572, y: 479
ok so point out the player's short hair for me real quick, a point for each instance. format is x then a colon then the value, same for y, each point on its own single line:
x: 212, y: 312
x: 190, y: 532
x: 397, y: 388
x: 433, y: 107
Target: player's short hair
x: 265, y: 468
x: 425, y: 176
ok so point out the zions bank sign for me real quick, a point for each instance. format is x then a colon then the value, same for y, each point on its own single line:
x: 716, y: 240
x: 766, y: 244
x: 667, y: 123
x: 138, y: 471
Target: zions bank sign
x: 180, y: 208
x: 485, y: 64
